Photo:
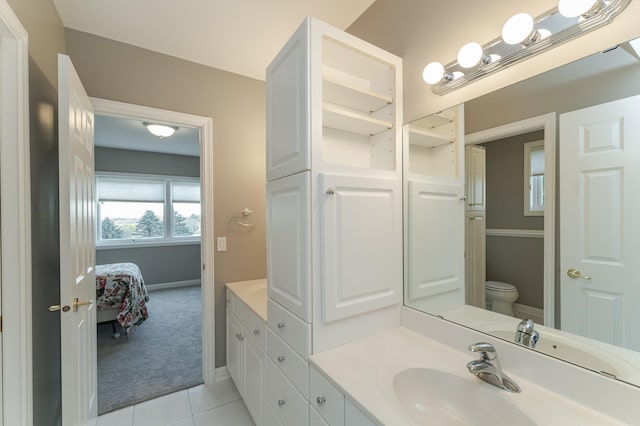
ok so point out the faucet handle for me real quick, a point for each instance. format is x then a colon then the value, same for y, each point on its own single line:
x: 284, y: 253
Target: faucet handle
x: 486, y: 350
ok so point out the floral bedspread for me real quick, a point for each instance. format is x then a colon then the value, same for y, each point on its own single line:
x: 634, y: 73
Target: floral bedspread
x: 120, y: 285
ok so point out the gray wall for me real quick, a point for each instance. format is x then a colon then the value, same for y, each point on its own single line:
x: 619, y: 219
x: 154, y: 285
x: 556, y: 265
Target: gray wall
x: 46, y: 39
x: 121, y: 72
x: 516, y: 260
x: 157, y: 264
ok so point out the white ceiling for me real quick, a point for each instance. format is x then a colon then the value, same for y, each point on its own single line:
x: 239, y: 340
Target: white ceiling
x: 241, y: 36
x: 128, y: 133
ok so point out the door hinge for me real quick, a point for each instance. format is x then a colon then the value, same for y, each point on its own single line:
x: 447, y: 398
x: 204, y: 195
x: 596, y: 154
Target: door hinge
x: 203, y: 266
x: 0, y: 323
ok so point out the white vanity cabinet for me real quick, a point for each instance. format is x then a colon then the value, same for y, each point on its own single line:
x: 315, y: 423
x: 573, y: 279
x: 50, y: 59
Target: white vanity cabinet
x: 334, y: 191
x: 334, y: 204
x: 246, y: 357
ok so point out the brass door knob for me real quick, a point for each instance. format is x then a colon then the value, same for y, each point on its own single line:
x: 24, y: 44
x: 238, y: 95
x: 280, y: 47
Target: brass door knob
x: 54, y: 308
x: 77, y: 303
x: 574, y: 273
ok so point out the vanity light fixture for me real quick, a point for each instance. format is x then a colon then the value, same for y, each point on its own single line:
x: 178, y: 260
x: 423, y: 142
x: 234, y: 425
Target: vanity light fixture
x: 523, y: 36
x: 160, y: 130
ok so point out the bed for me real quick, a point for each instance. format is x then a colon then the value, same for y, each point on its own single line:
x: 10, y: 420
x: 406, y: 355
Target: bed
x: 121, y: 296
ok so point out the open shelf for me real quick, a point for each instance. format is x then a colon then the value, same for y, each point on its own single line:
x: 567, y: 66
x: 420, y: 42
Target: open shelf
x: 352, y: 96
x: 335, y: 117
x: 428, y: 139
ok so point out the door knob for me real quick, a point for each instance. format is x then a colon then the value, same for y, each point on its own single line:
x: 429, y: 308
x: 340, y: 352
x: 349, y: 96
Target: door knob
x: 574, y: 273
x: 64, y: 308
x: 77, y: 303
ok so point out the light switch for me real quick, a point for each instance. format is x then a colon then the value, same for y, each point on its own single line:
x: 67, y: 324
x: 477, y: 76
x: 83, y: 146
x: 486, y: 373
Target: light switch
x: 221, y: 244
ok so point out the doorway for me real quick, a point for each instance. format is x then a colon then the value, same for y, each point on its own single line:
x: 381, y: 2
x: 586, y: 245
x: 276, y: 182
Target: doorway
x: 547, y: 123
x: 203, y: 125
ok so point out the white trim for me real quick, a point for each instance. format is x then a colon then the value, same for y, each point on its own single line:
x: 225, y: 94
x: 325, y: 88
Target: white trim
x: 523, y: 233
x: 173, y: 284
x: 547, y: 122
x: 528, y: 312
x: 222, y: 373
x: 529, y: 147
x: 205, y: 125
x: 15, y: 213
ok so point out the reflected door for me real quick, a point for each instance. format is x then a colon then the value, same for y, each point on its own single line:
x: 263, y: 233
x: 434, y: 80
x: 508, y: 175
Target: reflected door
x: 600, y: 222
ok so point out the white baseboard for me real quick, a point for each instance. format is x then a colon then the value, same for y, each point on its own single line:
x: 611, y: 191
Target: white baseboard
x: 222, y: 374
x: 174, y: 284
x: 528, y: 312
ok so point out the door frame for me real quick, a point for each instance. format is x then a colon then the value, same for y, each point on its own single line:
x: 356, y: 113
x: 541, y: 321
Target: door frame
x: 207, y: 239
x: 546, y: 122
x: 15, y: 211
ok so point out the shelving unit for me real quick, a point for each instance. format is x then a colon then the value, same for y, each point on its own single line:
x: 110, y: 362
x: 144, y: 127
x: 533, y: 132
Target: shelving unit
x: 426, y: 138
x: 339, y: 118
x: 342, y: 93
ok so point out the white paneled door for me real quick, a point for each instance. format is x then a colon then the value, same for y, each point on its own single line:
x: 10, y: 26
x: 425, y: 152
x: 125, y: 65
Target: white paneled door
x: 77, y: 249
x: 599, y: 222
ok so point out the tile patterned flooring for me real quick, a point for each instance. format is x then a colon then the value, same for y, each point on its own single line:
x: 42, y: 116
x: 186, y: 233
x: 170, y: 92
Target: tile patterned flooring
x: 218, y: 404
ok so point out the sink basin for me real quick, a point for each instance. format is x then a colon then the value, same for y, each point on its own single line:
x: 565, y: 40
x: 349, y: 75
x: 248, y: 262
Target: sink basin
x: 437, y: 397
x: 258, y: 292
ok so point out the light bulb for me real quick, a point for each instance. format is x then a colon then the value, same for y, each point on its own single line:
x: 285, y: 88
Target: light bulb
x: 457, y: 74
x: 518, y: 29
x: 544, y: 33
x: 433, y: 73
x: 575, y: 8
x: 469, y: 55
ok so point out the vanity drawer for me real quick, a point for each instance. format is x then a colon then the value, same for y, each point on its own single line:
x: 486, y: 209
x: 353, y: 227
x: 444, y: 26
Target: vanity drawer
x: 251, y: 321
x: 289, y: 362
x: 289, y: 328
x: 354, y: 416
x: 316, y: 419
x: 287, y: 403
x: 271, y: 418
x: 326, y: 398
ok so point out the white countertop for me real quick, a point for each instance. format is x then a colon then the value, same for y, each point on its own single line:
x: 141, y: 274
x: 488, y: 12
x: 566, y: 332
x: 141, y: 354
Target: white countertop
x: 364, y: 370
x: 253, y: 293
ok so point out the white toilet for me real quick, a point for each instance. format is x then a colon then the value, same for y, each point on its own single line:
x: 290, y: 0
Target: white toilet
x: 500, y: 297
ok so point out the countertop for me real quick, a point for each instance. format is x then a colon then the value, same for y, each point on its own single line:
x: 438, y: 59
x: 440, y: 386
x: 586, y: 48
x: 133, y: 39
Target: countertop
x: 365, y: 369
x: 253, y: 293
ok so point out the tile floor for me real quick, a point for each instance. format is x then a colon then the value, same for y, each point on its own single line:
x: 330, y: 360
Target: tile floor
x: 218, y: 404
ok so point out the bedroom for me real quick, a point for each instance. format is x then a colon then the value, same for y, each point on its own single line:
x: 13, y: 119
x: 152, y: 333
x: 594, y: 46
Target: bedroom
x: 141, y: 179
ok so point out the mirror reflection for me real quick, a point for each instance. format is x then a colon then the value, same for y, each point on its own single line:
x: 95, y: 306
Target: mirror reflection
x: 554, y: 245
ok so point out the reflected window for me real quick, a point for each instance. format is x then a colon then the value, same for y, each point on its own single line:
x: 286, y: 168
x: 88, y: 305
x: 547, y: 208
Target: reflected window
x: 534, y: 178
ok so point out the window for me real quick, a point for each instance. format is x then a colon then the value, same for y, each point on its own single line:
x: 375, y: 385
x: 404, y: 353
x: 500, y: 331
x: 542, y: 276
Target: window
x: 534, y: 178
x: 132, y: 209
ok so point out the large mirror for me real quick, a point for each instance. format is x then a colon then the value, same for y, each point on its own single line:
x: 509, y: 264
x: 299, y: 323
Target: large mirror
x: 547, y: 172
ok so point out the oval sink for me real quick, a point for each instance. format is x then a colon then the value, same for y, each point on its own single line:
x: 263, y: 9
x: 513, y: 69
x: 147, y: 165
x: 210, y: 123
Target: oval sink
x: 439, y: 398
x: 259, y: 292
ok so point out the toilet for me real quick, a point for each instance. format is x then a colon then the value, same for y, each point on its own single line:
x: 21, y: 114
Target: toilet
x: 500, y: 297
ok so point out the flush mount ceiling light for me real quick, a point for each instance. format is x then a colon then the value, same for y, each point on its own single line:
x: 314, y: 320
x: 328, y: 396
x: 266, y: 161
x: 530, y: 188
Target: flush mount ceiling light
x: 523, y: 36
x: 160, y: 130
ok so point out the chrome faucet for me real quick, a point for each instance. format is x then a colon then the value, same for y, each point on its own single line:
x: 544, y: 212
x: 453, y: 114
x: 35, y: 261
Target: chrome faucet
x: 487, y: 367
x: 525, y: 334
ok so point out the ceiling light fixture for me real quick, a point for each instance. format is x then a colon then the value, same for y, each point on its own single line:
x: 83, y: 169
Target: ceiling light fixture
x: 160, y: 130
x: 523, y: 36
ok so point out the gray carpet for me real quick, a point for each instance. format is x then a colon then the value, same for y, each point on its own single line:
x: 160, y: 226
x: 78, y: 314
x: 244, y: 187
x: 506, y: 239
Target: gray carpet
x: 163, y: 355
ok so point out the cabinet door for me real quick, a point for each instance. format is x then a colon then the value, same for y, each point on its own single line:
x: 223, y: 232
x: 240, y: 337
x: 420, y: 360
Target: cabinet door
x: 234, y: 349
x: 475, y: 258
x: 254, y: 377
x: 288, y: 108
x: 436, y: 245
x: 361, y: 238
x: 289, y: 243
x: 476, y: 177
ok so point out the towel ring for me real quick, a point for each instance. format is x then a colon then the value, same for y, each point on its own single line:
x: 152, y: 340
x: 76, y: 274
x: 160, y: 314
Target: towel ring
x: 242, y: 214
